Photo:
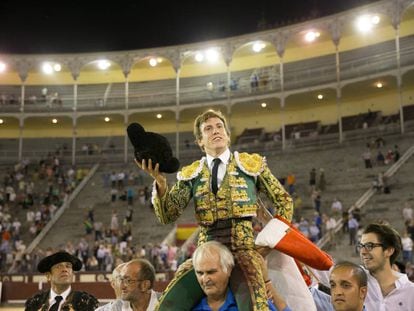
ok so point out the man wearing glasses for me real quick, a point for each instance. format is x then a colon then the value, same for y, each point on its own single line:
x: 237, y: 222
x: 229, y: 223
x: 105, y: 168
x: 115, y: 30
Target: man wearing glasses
x: 115, y: 284
x: 388, y: 290
x: 136, y: 283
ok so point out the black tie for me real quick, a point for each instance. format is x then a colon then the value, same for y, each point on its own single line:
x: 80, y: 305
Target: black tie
x: 55, y: 306
x: 214, y: 186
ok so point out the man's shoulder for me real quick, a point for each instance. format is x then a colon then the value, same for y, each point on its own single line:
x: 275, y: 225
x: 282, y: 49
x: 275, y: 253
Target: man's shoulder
x: 405, y: 284
x: 252, y: 164
x: 115, y: 305
x: 105, y: 307
x: 84, y: 301
x: 191, y: 171
x: 36, y: 301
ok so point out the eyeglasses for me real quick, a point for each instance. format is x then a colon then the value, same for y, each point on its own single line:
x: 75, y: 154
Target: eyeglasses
x: 369, y: 246
x: 128, y: 281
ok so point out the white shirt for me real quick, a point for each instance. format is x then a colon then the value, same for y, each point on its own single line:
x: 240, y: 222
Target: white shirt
x: 122, y: 305
x: 401, y: 298
x: 330, y: 223
x: 224, y: 157
x: 336, y: 206
x: 407, y: 244
x: 64, y: 295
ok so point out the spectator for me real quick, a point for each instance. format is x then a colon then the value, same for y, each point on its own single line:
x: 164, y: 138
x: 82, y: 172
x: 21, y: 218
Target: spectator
x: 387, y: 290
x: 349, y: 286
x: 353, y: 228
x: 407, y: 212
x: 322, y: 180
x: 291, y: 181
x: 407, y: 248
x: 380, y: 158
x: 336, y: 207
x: 396, y: 153
x: 137, y: 282
x: 116, y: 285
x: 367, y: 158
x: 312, y: 179
x: 330, y: 224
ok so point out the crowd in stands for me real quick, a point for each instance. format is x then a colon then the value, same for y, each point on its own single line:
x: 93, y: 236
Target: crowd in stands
x: 104, y: 246
x: 9, y: 99
x: 30, y: 194
x: 44, y: 97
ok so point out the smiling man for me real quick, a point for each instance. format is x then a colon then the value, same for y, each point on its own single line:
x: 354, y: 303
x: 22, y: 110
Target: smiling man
x: 58, y: 269
x: 224, y: 186
x: 348, y: 283
x: 136, y: 283
x: 388, y: 290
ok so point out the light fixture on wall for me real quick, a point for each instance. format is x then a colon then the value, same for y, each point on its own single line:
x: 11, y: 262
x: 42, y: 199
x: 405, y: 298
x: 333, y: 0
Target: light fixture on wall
x: 2, y: 67
x: 311, y: 36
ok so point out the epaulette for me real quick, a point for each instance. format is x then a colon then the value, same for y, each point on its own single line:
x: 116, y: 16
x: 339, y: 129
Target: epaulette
x: 84, y: 301
x: 191, y: 171
x: 36, y: 301
x: 252, y: 164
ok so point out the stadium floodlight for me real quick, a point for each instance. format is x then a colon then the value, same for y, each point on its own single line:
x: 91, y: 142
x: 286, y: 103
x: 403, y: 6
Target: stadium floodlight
x: 366, y: 22
x: 212, y: 55
x: 57, y: 67
x: 2, y: 67
x: 153, y: 62
x: 103, y: 64
x: 47, y: 68
x: 199, y: 57
x: 311, y: 36
x: 258, y: 46
x: 375, y: 19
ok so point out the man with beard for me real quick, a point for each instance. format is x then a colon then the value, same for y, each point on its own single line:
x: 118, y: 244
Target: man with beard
x: 59, y: 269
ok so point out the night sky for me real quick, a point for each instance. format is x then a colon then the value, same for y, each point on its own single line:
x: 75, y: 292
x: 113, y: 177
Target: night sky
x: 91, y: 26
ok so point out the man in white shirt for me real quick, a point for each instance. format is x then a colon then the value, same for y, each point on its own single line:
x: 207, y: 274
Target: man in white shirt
x: 336, y: 207
x: 116, y: 285
x: 136, y: 283
x: 388, y: 290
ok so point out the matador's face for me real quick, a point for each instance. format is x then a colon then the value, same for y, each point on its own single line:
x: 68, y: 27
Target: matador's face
x: 214, y: 138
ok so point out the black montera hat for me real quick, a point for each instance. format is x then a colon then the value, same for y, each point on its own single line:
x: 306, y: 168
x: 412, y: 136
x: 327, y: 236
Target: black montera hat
x: 48, y: 262
x: 148, y: 145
